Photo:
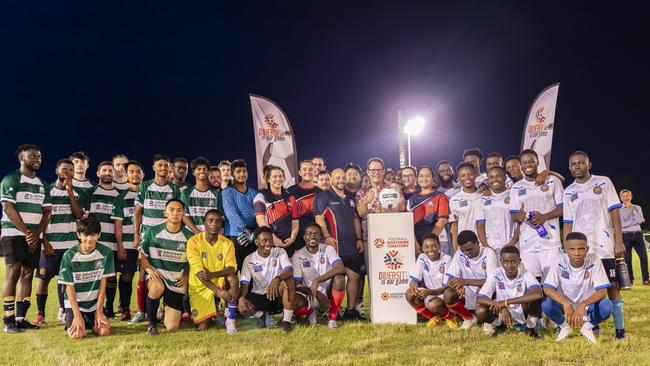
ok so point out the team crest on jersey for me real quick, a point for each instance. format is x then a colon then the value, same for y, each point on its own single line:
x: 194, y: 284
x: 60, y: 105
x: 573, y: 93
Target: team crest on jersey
x: 219, y: 257
x: 522, y: 192
x: 543, y: 188
x: 306, y: 264
x: 274, y: 262
x: 441, y: 269
x: 41, y: 190
x: 488, y: 202
x: 598, y: 190
x: 204, y: 255
x: 322, y: 260
x: 463, y: 203
x: 507, y: 200
x: 426, y: 266
x: 483, y: 265
x: 430, y: 203
x: 565, y: 274
x: 467, y: 262
x: 169, y: 196
x: 502, y: 286
x: 574, y: 196
x: 258, y: 268
x: 587, y: 275
x: 181, y: 246
x: 98, y: 264
x: 519, y: 288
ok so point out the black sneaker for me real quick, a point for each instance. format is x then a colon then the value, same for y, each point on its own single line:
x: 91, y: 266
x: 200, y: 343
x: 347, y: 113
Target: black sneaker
x: 499, y: 330
x: 349, y: 314
x: 10, y: 325
x: 621, y: 334
x: 110, y: 313
x: 533, y: 334
x: 152, y: 330
x: 261, y: 321
x: 287, y: 326
x: 25, y: 325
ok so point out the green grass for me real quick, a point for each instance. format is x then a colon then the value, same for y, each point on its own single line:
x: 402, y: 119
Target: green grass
x: 351, y: 344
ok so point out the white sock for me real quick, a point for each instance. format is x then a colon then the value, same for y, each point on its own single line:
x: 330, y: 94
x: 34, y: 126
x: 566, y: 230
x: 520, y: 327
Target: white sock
x: 588, y: 326
x: 286, y: 315
x: 259, y: 314
x: 565, y: 325
x: 531, y: 321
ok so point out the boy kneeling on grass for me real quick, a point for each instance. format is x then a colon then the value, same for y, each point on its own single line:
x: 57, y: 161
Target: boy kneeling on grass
x: 427, y: 284
x: 84, y: 270
x: 576, y: 286
x: 517, y: 295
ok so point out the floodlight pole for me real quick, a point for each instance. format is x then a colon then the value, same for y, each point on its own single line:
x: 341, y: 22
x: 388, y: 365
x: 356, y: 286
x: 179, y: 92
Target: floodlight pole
x: 408, y: 143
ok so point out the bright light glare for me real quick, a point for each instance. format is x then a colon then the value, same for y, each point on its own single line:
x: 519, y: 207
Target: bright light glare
x: 414, y: 127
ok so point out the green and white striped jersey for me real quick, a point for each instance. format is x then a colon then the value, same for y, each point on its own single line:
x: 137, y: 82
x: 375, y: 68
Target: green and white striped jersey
x: 102, y: 202
x: 153, y: 198
x: 121, y: 186
x: 167, y: 253
x: 197, y: 203
x: 29, y: 196
x: 85, y: 273
x: 123, y: 211
x: 61, y: 231
x: 86, y: 186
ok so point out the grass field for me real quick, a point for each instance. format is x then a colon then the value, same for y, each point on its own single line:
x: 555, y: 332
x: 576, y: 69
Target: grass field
x: 351, y: 344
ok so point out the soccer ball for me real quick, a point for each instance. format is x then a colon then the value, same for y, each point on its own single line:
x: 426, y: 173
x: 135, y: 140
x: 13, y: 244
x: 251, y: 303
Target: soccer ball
x: 281, y: 155
x: 389, y: 198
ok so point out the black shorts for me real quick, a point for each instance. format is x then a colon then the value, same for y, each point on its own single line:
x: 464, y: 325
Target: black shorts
x: 242, y: 251
x: 172, y: 299
x: 49, y: 265
x: 262, y: 303
x: 355, y: 263
x: 130, y: 265
x: 610, y: 269
x: 15, y: 251
x: 89, y: 318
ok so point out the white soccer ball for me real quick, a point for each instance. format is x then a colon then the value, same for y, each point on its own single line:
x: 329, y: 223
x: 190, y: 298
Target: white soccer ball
x: 389, y: 198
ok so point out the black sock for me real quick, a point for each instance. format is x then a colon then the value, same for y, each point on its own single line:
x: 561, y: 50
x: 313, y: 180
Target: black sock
x: 186, y: 303
x: 41, y: 300
x: 152, y: 310
x: 21, y: 308
x: 60, y: 290
x: 111, y: 290
x: 126, y: 288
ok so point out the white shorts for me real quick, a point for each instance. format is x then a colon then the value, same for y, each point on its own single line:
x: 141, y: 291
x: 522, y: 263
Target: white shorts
x: 538, y: 263
x: 471, y: 294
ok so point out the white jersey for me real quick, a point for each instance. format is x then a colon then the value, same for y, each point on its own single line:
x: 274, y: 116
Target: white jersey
x: 262, y: 270
x: 543, y: 198
x: 483, y: 179
x: 587, y: 206
x: 506, y: 289
x: 462, y: 209
x: 577, y: 284
x: 494, y: 211
x: 476, y: 268
x: 431, y: 272
x: 308, y: 266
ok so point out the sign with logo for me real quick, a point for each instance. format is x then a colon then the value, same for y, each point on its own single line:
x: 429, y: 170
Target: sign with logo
x: 391, y: 257
x: 538, y: 132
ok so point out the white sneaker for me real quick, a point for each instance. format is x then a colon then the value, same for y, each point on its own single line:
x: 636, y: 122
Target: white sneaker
x: 332, y: 324
x: 312, y: 317
x: 488, y: 328
x: 466, y: 324
x: 270, y: 322
x: 60, y: 316
x: 230, y: 326
x: 588, y: 332
x: 564, y: 333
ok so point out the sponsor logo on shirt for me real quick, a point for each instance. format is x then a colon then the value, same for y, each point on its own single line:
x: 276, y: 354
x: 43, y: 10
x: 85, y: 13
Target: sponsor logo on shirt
x: 258, y: 268
x: 565, y: 274
x: 574, y: 196
x: 463, y: 203
x: 488, y: 202
x: 501, y: 285
x: 306, y: 264
x: 522, y: 192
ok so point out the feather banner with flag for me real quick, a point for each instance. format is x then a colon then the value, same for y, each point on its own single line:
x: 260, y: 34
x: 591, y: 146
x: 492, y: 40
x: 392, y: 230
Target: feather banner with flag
x: 274, y: 140
x: 538, y: 132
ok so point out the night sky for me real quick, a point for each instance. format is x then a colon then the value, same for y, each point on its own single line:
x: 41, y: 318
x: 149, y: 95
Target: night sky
x: 174, y: 77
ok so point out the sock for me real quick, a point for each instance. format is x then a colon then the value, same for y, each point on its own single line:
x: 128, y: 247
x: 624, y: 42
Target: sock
x: 41, y: 300
x: 152, y: 309
x: 60, y: 290
x: 304, y: 311
x: 531, y: 321
x: 460, y: 309
x: 565, y: 325
x: 336, y: 299
x: 232, y: 309
x: 125, y: 294
x: 9, y: 305
x: 587, y: 325
x: 21, y: 308
x: 422, y: 310
x: 286, y: 315
x: 617, y: 313
x: 111, y: 290
x: 140, y: 294
x: 446, y: 314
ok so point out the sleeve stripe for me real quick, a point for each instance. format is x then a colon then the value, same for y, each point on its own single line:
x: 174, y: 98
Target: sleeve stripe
x: 6, y: 199
x: 603, y: 286
x: 568, y: 221
x: 337, y: 260
x: 533, y: 286
x: 559, y: 205
x: 245, y: 282
x: 514, y: 211
x: 614, y: 206
x: 62, y: 282
x: 415, y: 279
x: 480, y: 220
x: 450, y: 275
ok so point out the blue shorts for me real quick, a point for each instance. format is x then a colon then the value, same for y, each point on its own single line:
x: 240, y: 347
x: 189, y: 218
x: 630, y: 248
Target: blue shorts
x: 49, y: 265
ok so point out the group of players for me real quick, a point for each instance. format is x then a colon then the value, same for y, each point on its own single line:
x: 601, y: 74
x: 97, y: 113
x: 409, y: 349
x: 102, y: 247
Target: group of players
x: 487, y: 243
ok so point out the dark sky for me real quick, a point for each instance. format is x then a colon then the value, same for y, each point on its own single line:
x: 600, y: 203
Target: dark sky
x: 174, y: 77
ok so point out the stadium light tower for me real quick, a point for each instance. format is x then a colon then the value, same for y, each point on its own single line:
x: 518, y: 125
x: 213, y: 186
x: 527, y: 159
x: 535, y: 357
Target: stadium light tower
x: 413, y: 128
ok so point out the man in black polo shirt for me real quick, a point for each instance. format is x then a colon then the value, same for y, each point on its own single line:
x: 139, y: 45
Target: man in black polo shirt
x: 336, y: 214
